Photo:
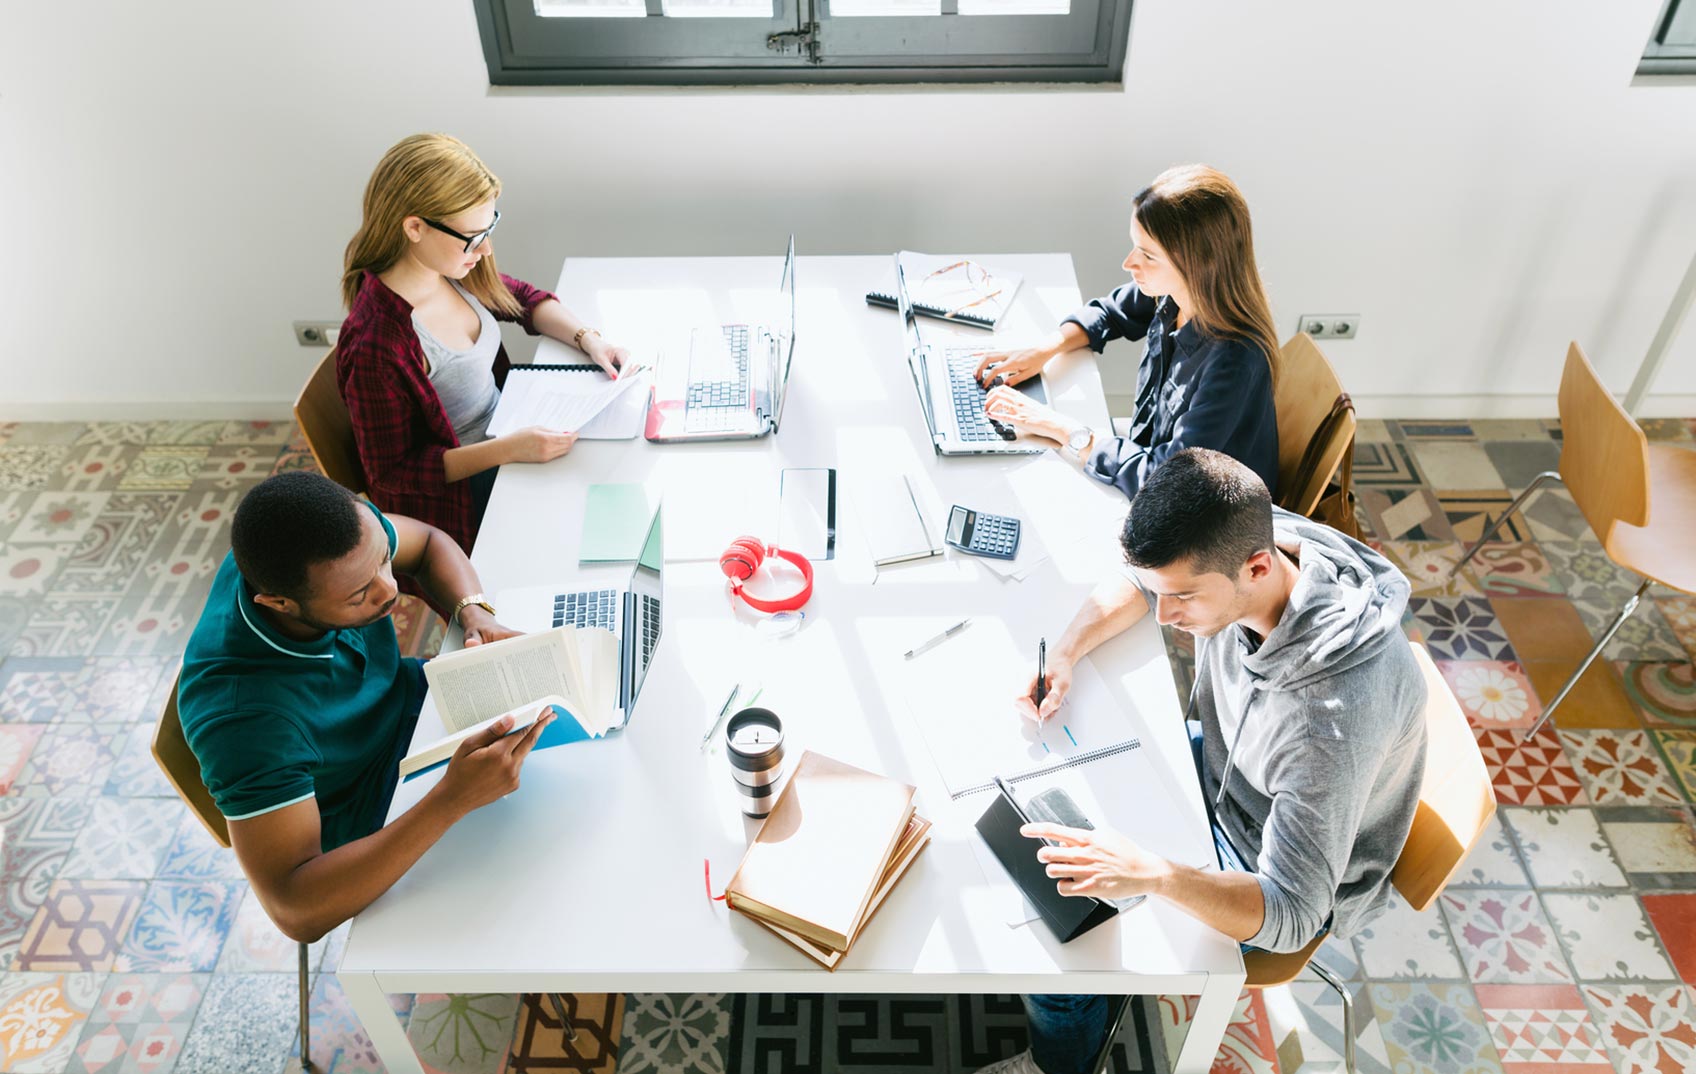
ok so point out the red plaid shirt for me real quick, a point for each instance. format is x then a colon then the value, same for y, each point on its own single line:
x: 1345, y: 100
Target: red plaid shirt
x: 399, y: 424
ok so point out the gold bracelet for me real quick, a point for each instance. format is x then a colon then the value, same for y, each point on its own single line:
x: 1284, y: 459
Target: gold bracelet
x: 577, y: 340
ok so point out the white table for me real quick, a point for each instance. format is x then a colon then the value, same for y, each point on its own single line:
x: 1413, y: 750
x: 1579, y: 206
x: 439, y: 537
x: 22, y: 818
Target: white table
x: 589, y: 878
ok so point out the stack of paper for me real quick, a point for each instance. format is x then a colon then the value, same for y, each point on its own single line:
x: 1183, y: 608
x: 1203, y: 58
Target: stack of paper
x: 835, y: 844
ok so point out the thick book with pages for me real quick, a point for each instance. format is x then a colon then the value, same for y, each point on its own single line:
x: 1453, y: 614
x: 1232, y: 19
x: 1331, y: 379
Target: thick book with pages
x: 913, y: 840
x: 573, y: 670
x: 818, y: 859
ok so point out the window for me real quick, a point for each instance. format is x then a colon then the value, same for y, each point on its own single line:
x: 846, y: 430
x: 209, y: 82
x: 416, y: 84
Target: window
x: 1672, y: 46
x: 703, y: 42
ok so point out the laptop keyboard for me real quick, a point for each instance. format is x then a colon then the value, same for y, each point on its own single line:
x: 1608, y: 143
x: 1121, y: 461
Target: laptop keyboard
x: 650, y: 618
x: 968, y: 395
x: 721, y: 404
x: 597, y: 608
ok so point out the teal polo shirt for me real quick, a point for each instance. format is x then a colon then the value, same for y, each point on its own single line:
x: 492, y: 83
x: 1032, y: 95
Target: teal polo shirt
x: 274, y: 721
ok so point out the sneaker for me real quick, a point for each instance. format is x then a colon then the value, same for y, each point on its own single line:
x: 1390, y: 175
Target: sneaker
x: 1018, y: 1064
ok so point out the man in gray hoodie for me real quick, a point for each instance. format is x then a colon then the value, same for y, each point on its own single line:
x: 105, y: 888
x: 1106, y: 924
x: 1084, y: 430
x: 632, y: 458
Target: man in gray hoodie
x: 1311, y: 737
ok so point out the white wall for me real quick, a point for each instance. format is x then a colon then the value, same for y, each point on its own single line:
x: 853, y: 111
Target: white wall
x: 1480, y: 182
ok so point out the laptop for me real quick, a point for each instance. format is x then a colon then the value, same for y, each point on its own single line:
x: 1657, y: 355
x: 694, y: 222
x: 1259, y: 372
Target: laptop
x: 738, y: 376
x: 949, y: 392
x: 632, y: 614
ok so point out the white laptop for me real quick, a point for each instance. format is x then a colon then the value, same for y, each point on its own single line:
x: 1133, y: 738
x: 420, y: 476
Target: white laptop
x: 738, y: 375
x: 949, y: 393
x: 633, y: 613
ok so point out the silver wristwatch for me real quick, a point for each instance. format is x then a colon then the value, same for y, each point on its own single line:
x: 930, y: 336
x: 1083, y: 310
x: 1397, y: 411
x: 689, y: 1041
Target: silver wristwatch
x: 1078, y: 444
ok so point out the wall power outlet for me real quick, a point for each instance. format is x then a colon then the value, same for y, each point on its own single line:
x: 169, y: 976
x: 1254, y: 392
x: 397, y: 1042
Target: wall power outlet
x: 1330, y: 325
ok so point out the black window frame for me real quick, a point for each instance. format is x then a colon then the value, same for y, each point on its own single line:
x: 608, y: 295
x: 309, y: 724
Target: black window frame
x: 1675, y: 57
x: 521, y: 48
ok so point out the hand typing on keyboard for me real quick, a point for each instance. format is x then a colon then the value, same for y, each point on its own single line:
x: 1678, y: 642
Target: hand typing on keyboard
x: 1013, y: 407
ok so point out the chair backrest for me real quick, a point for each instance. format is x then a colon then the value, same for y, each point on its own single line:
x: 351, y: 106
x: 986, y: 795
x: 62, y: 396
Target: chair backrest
x: 1455, y: 803
x: 1307, y: 391
x: 1604, y: 455
x: 329, y: 431
x: 170, y: 749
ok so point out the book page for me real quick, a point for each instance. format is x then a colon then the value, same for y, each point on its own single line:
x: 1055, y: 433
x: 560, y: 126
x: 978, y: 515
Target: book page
x: 473, y: 685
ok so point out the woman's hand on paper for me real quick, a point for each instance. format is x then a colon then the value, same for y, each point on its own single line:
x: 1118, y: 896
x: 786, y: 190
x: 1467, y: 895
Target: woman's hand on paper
x: 1059, y: 675
x: 1102, y: 864
x: 481, y: 627
x: 486, y: 765
x: 1013, y: 367
x: 536, y: 444
x: 609, y: 356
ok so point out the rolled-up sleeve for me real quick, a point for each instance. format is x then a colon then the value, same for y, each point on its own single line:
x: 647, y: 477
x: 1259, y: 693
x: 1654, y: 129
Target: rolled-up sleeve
x: 1318, y: 795
x: 529, y: 297
x: 387, y: 426
x: 1124, y: 314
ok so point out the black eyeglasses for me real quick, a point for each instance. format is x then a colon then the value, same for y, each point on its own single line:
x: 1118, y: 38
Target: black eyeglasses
x: 471, y: 241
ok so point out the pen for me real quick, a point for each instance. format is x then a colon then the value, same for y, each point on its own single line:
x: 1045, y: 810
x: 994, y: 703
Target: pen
x: 722, y: 713
x: 1041, y: 674
x: 929, y: 643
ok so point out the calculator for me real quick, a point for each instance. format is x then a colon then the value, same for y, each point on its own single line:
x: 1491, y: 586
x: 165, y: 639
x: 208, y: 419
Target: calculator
x: 971, y: 531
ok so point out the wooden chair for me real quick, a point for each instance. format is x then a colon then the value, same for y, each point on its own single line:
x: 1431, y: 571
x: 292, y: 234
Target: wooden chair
x: 324, y: 421
x: 182, y: 768
x: 1456, y: 801
x: 1614, y: 475
x: 1316, y: 426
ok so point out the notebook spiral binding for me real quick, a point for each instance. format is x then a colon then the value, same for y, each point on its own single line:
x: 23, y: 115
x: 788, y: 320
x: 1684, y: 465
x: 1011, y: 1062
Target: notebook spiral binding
x: 1071, y: 762
x: 975, y: 320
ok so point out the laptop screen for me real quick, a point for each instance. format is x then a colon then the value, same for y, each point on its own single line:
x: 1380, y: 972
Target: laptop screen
x: 642, y: 630
x: 785, y: 329
x: 913, y: 344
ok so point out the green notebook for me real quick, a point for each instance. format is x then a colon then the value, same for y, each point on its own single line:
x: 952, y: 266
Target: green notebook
x: 615, y: 523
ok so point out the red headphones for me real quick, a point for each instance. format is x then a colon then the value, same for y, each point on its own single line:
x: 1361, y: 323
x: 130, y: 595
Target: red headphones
x: 743, y: 558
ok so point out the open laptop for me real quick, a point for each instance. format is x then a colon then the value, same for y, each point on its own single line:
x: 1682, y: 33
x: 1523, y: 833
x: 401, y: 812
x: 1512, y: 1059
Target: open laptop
x: 738, y: 376
x: 949, y: 393
x: 632, y: 614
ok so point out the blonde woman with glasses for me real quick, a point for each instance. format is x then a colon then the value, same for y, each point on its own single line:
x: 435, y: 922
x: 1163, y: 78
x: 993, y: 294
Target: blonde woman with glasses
x: 419, y: 359
x: 1211, y: 354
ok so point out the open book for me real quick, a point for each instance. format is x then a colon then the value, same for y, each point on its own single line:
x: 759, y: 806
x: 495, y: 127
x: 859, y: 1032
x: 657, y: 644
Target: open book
x: 570, y: 669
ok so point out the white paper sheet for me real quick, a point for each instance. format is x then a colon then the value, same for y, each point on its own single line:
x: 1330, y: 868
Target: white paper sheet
x: 571, y: 401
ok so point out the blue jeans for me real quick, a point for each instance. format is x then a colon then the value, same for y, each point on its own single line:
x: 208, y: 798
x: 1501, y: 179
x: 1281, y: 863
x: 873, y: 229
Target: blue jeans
x: 1067, y: 1032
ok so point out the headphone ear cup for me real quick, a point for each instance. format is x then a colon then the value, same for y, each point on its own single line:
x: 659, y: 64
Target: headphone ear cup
x: 742, y: 558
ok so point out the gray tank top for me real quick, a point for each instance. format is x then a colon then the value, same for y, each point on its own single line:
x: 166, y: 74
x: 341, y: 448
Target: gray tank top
x: 465, y: 380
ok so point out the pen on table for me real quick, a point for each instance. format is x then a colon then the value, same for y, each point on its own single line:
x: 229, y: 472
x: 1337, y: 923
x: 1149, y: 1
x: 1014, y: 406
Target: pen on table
x: 1041, y: 674
x: 722, y: 713
x: 931, y: 642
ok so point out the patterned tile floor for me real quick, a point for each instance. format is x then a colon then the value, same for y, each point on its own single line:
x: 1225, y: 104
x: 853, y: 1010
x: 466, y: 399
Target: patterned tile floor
x: 130, y: 943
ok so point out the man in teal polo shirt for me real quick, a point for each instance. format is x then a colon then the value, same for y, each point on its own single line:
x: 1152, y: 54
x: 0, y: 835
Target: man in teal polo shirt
x: 296, y: 701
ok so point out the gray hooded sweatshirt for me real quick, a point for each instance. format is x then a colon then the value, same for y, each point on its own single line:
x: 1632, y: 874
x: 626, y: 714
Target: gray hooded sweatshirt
x: 1325, y: 776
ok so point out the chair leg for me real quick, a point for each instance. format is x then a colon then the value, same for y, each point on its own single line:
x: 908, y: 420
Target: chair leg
x: 1113, y: 1024
x: 305, y: 1013
x: 1348, y: 1010
x: 1589, y: 658
x: 564, y: 1018
x: 1490, y: 530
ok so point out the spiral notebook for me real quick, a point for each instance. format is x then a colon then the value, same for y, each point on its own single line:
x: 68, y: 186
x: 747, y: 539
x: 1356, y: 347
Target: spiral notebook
x: 574, y: 398
x: 954, y: 289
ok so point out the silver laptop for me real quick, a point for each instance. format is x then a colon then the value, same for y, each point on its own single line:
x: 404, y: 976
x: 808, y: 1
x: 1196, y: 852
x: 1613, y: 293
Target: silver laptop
x: 949, y: 392
x: 738, y: 376
x: 632, y: 614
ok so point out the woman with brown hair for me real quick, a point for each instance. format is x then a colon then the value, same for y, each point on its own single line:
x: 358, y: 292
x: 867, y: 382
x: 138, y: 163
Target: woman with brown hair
x: 419, y: 360
x: 1211, y: 358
